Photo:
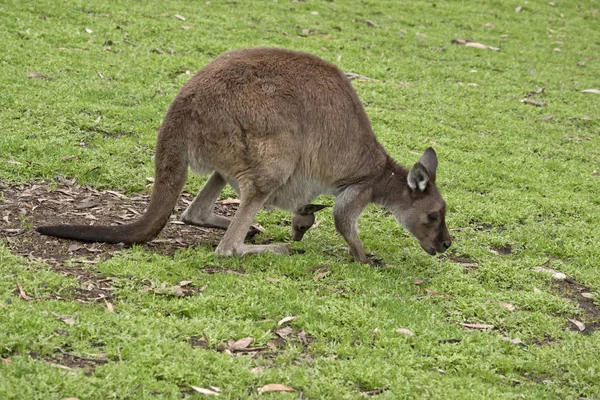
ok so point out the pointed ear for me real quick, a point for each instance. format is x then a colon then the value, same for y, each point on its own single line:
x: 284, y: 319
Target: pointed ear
x: 418, y: 177
x: 311, y: 208
x: 430, y: 162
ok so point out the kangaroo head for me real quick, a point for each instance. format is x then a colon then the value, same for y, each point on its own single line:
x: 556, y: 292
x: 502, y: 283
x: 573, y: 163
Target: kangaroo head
x: 303, y: 219
x: 423, y: 210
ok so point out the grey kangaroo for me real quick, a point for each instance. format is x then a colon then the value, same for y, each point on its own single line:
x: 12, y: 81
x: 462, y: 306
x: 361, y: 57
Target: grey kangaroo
x: 281, y: 127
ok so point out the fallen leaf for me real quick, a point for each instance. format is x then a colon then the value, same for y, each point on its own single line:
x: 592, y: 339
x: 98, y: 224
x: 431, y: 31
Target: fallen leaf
x: 284, y: 332
x: 71, y: 398
x: 559, y: 276
x: 417, y: 281
x: 272, y: 280
x: 275, y: 387
x: 404, y: 331
x: 88, y: 30
x: 66, y: 318
x: 536, y: 290
x: 434, y: 293
x: 110, y: 307
x: 518, y: 9
x: 321, y: 275
x: 513, y: 341
x: 241, y: 344
x: 547, y: 117
x: 581, y: 63
x: 586, y: 118
x: 578, y: 324
x: 588, y: 295
x: 5, y: 361
x: 187, y: 27
x: 557, y: 49
x: 37, y: 75
x: 286, y: 319
x: 22, y: 293
x: 230, y: 201
x: 594, y: 173
x: 256, y: 370
x: 179, y: 17
x: 477, y: 326
x: 185, y: 283
x: 596, y: 91
x: 533, y: 102
x: 74, y: 247
x: 508, y: 306
x: 207, y: 392
x: 468, y: 43
x: 489, y: 25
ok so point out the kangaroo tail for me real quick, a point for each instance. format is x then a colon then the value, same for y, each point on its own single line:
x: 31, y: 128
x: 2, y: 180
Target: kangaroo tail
x: 171, y: 163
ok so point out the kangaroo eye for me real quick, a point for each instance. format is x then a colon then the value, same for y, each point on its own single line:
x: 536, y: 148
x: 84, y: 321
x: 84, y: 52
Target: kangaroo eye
x: 432, y: 217
x: 303, y: 228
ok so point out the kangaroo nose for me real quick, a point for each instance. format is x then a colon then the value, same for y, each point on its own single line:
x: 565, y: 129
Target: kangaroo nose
x: 447, y: 244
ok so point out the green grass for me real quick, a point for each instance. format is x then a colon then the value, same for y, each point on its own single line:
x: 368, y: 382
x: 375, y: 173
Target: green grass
x: 501, y: 166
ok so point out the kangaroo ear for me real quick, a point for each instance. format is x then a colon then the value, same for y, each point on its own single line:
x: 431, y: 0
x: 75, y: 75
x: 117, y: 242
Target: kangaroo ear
x: 311, y: 208
x: 430, y: 162
x: 418, y: 177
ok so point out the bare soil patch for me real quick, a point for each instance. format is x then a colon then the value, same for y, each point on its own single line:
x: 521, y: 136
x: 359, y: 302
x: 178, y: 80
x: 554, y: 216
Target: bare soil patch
x: 25, y: 207
x: 575, y: 291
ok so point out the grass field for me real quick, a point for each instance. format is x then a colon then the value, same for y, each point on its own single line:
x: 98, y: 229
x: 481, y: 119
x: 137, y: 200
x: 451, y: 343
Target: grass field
x: 85, y: 86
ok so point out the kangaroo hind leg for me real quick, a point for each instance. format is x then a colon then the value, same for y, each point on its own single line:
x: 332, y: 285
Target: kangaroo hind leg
x: 232, y: 242
x: 201, y: 211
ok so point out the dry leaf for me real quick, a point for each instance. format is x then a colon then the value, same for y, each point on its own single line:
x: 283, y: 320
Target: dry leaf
x: 557, y: 49
x: 187, y: 27
x: 581, y: 63
x: 434, y: 293
x: 594, y: 173
x: 468, y: 43
x: 578, y: 324
x: 88, y: 30
x: 5, y: 361
x: 230, y: 201
x: 518, y: 9
x: 284, y: 332
x: 37, y: 75
x: 547, y: 117
x: 596, y: 91
x: 508, y: 306
x: 559, y: 276
x: 417, y: 281
x: 533, y: 102
x: 489, y: 25
x: 286, y: 319
x: 207, y: 392
x: 22, y: 293
x: 513, y: 341
x: 184, y: 283
x: 179, y: 17
x: 256, y: 370
x: 272, y: 280
x: 587, y: 295
x: 275, y: 387
x: 241, y: 344
x: 321, y: 275
x: 66, y: 318
x: 110, y: 307
x: 477, y: 326
x: 74, y: 247
x: 404, y: 331
x: 536, y: 290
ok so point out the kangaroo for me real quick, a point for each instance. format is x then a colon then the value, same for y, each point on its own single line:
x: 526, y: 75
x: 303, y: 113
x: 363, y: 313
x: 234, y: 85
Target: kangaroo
x: 281, y: 127
x: 303, y: 219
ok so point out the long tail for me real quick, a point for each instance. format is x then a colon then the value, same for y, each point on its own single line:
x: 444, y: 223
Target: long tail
x: 171, y: 163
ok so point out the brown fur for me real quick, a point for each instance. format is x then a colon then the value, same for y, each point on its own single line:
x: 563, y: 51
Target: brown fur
x: 281, y: 127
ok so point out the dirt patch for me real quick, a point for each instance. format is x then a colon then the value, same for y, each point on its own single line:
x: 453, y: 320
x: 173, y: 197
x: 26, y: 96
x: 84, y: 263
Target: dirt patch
x: 94, y: 287
x: 69, y: 361
x: 576, y: 292
x: 467, y: 263
x: 25, y: 207
x: 502, y: 250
